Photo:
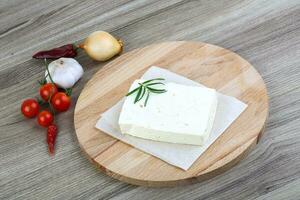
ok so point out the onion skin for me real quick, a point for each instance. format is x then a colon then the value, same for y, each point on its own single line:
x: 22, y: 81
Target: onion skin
x: 102, y: 46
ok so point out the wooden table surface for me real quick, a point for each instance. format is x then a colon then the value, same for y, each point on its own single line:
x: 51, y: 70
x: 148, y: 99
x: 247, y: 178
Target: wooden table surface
x: 266, y: 33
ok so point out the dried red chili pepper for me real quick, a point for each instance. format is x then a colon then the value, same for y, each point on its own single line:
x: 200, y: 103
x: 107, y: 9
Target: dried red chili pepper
x: 51, y: 137
x: 67, y: 51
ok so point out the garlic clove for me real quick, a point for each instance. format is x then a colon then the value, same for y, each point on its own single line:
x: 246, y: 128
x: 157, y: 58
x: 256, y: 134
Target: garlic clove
x: 64, y: 80
x: 76, y: 70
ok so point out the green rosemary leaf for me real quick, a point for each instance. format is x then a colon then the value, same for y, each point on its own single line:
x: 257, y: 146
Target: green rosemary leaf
x: 159, y: 92
x: 133, y: 91
x: 156, y: 90
x: 146, y: 100
x: 155, y: 79
x: 142, y: 94
x: 138, y: 94
x: 157, y: 83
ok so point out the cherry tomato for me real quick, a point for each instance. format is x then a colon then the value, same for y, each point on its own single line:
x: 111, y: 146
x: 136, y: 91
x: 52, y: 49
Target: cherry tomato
x: 45, y: 118
x: 61, y: 102
x: 48, y: 90
x: 30, y: 108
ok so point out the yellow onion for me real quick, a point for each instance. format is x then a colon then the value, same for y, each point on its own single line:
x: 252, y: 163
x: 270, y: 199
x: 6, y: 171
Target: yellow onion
x: 102, y: 46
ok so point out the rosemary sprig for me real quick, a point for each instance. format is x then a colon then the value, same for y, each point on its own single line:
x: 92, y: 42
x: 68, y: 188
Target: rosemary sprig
x: 145, y: 89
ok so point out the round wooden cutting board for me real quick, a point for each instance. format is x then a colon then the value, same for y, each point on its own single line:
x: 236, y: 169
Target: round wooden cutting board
x: 210, y: 65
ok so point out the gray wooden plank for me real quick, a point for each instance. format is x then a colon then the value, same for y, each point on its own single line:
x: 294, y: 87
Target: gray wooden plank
x: 45, y: 25
x: 287, y: 192
x: 265, y: 33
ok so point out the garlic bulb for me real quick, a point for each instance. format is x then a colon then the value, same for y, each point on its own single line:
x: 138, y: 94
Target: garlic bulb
x: 65, y: 72
x: 101, y: 46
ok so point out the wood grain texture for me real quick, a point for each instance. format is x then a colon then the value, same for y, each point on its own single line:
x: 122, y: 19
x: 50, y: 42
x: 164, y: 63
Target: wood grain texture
x: 264, y: 32
x: 208, y: 64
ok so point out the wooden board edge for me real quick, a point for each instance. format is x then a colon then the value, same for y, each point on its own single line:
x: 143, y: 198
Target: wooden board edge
x: 173, y: 183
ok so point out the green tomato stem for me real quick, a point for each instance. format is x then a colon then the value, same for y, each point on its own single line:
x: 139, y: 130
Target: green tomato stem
x: 48, y: 72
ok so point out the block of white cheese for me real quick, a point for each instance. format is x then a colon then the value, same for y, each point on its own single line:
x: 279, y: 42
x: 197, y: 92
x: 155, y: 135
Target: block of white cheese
x: 183, y: 114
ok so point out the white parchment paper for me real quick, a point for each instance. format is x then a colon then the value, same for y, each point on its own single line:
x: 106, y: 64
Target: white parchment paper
x: 182, y: 156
